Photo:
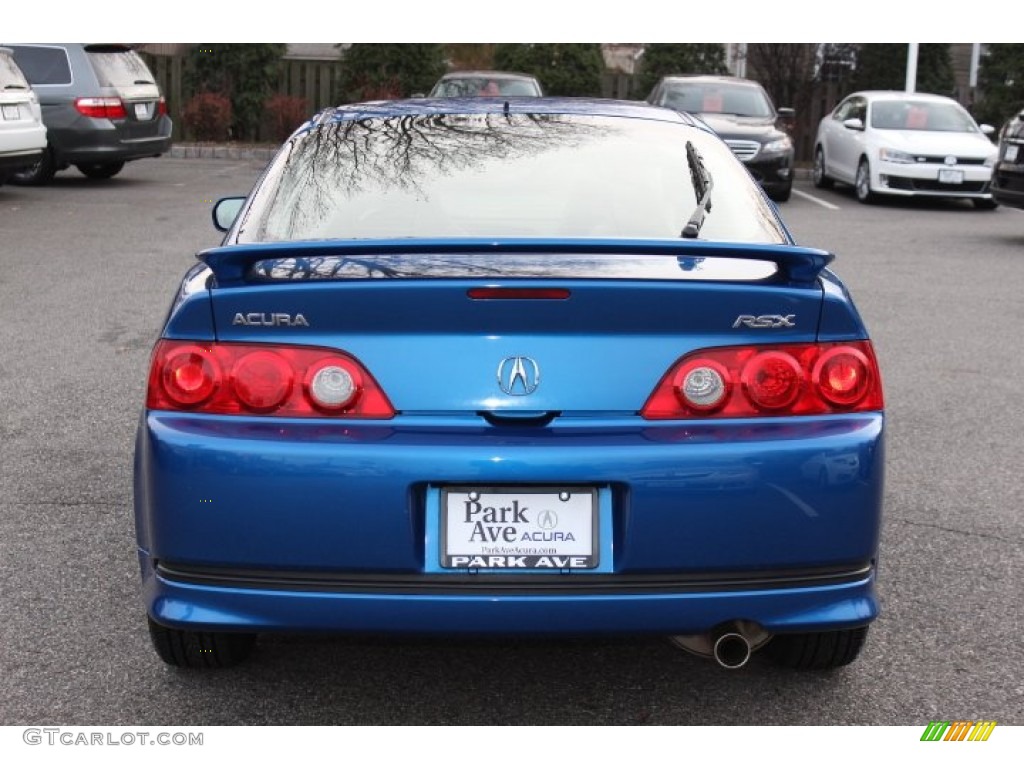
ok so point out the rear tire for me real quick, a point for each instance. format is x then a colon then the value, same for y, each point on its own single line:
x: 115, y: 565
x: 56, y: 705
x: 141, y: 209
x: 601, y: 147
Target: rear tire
x: 818, y: 176
x: 36, y: 175
x: 200, y: 650
x: 781, y: 195
x: 817, y: 650
x: 100, y: 170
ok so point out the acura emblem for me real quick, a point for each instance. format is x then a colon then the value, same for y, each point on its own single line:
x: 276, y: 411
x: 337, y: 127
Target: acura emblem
x: 518, y: 376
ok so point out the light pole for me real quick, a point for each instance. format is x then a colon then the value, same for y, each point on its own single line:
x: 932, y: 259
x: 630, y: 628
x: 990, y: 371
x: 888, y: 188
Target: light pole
x: 911, y: 68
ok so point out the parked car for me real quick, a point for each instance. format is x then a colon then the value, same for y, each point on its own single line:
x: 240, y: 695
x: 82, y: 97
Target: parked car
x: 539, y: 366
x: 101, y: 106
x: 486, y: 83
x: 1008, y: 174
x: 22, y: 133
x: 742, y: 113
x: 905, y: 144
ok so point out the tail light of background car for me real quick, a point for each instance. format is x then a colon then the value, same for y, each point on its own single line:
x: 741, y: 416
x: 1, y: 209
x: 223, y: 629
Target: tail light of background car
x: 262, y: 379
x: 786, y: 380
x: 109, y: 107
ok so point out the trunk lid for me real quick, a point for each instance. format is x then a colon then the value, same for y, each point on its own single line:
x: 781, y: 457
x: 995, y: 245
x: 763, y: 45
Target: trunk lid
x: 450, y: 329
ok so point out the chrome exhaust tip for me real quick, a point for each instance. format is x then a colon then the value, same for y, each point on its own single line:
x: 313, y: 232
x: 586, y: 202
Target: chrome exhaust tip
x: 730, y: 644
x: 731, y: 650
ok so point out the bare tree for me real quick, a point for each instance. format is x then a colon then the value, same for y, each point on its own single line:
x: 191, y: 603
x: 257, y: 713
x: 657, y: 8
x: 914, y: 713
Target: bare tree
x: 786, y: 70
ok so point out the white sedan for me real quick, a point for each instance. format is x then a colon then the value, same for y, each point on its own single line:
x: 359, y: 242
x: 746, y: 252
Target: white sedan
x: 907, y: 144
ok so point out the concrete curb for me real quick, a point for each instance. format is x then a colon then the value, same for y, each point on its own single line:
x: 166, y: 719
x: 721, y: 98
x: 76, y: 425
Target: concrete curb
x: 222, y: 152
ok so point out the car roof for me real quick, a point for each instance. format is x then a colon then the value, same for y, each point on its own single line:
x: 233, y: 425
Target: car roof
x: 901, y: 96
x: 486, y: 73
x: 504, y: 105
x: 723, y: 79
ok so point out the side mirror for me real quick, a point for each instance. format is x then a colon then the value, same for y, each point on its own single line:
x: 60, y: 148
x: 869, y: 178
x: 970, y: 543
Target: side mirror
x: 785, y: 118
x: 225, y: 211
x: 987, y: 129
x: 854, y: 124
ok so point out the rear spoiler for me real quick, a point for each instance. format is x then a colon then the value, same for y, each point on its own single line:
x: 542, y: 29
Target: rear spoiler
x: 796, y: 264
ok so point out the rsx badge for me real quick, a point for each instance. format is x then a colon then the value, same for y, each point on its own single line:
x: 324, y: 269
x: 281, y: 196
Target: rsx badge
x: 765, y: 321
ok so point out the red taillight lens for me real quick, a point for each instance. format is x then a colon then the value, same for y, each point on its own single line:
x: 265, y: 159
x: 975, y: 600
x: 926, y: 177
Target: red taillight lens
x: 109, y: 107
x: 842, y: 375
x: 772, y: 380
x: 782, y: 380
x: 161, y: 106
x: 189, y: 376
x: 261, y: 379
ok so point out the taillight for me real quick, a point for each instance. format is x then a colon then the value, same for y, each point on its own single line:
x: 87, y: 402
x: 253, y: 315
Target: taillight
x: 161, y: 106
x: 189, y: 375
x: 109, y: 107
x: 262, y: 379
x: 783, y: 380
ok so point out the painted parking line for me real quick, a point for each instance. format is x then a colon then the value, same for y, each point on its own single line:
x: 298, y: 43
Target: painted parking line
x: 817, y: 200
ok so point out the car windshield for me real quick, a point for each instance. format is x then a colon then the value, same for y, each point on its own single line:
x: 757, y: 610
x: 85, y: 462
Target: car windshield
x: 501, y: 175
x: 716, y: 98
x: 10, y: 75
x: 911, y: 115
x: 120, y: 67
x: 485, y: 86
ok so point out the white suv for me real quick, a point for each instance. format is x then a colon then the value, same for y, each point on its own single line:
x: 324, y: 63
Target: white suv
x: 22, y: 133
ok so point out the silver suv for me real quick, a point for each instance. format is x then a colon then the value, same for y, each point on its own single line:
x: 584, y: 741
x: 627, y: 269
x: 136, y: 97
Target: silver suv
x: 101, y: 107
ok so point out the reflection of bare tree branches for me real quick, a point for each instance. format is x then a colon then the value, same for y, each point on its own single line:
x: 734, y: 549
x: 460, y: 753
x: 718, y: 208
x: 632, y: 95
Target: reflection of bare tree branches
x: 373, y: 155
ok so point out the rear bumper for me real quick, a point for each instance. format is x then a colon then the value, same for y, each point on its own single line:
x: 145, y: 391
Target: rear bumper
x: 172, y: 599
x: 271, y: 524
x: 15, y: 161
x: 94, y: 140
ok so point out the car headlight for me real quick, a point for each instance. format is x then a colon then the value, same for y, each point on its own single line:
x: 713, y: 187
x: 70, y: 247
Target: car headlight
x: 990, y: 161
x: 895, y: 156
x: 783, y: 144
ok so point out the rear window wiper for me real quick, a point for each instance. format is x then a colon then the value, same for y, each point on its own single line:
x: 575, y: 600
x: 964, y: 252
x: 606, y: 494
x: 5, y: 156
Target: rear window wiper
x: 702, y: 186
x: 15, y: 87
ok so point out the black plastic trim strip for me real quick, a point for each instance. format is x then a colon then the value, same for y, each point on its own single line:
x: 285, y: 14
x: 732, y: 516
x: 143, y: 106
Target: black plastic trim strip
x: 511, y: 584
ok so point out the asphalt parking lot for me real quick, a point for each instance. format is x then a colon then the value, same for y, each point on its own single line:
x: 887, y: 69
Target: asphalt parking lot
x: 87, y: 270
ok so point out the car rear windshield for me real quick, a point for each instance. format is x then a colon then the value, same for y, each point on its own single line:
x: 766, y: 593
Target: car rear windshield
x: 715, y: 98
x: 43, y: 65
x: 921, y: 116
x: 10, y: 75
x: 119, y: 67
x: 502, y: 175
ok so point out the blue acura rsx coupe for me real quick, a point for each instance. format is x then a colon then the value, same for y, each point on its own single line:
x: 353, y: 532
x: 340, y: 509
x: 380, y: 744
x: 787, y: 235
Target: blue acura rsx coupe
x: 534, y: 367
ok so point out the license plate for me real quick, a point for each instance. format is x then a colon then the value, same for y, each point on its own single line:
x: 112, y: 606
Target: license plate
x: 519, y: 528
x: 948, y: 176
x: 1011, y: 153
x: 142, y: 111
x: 11, y: 112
